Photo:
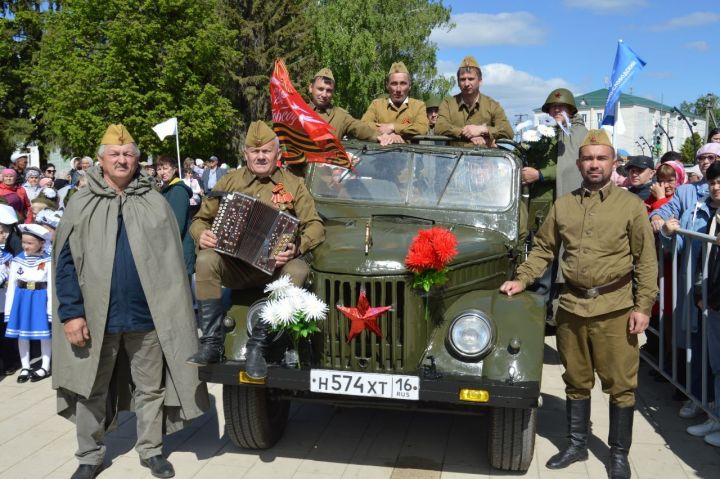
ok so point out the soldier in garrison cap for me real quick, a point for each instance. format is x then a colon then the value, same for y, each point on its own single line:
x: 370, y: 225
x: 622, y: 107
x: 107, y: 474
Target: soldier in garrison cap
x: 398, y: 113
x: 128, y: 295
x: 261, y: 179
x: 469, y: 115
x: 608, y: 247
x: 432, y: 105
x: 321, y: 90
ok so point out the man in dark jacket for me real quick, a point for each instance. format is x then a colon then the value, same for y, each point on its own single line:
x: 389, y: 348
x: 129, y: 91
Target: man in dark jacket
x: 212, y: 174
x: 640, y: 170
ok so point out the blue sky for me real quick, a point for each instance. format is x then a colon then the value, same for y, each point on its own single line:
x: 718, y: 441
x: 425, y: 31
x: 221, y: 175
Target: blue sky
x: 528, y: 48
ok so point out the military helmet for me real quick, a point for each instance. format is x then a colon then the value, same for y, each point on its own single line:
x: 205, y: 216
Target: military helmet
x: 562, y: 96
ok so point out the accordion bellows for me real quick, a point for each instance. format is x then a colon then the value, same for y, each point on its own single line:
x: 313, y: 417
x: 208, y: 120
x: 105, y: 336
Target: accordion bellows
x: 253, y: 231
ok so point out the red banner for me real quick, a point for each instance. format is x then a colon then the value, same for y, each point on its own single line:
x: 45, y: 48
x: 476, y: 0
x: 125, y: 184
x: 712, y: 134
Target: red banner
x: 304, y: 136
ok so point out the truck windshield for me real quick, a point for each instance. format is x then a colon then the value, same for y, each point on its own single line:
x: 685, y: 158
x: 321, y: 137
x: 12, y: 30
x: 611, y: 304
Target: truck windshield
x: 404, y: 178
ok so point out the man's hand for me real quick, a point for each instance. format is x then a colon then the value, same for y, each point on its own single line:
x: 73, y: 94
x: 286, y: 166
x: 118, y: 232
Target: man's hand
x: 385, y: 128
x: 656, y: 223
x: 282, y: 258
x: 512, y: 287
x: 479, y: 140
x: 671, y: 226
x: 529, y: 175
x: 76, y: 331
x: 390, y: 139
x: 638, y: 322
x: 657, y: 190
x: 207, y: 240
x: 472, y: 131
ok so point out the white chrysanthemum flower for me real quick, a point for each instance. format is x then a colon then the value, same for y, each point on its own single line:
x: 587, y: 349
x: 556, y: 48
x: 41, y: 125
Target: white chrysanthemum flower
x: 315, y: 308
x: 531, y: 136
x: 296, y: 297
x: 284, y: 312
x: 546, y: 120
x: 546, y: 131
x: 268, y: 313
x: 279, y: 287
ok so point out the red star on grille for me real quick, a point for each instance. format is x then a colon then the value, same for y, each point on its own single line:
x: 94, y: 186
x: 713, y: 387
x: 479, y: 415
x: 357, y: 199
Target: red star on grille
x: 363, y: 316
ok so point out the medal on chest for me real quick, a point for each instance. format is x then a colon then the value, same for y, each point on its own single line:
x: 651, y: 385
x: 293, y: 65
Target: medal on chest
x: 281, y: 198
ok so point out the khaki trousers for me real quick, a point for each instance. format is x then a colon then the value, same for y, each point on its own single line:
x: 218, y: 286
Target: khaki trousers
x: 599, y: 344
x: 146, y: 368
x: 214, y: 270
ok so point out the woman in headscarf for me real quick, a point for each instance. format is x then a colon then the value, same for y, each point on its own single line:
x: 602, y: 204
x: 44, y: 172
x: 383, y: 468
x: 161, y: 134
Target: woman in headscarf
x: 15, y: 195
x: 669, y: 176
x: 32, y: 182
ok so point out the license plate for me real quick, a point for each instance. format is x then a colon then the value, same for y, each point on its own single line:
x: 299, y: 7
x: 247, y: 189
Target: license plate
x: 392, y: 386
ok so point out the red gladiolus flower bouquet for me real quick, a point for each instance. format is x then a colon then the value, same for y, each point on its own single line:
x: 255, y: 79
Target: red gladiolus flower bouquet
x: 429, y: 254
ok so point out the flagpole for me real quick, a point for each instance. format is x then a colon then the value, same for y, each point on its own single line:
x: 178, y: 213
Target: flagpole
x: 177, y: 145
x: 617, y: 111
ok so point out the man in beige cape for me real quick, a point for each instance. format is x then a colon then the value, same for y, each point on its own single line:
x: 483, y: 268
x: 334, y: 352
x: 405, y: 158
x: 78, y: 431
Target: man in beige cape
x: 124, y: 311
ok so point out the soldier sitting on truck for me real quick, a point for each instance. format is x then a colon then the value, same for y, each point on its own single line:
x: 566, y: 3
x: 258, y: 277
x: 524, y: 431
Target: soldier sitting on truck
x: 260, y: 178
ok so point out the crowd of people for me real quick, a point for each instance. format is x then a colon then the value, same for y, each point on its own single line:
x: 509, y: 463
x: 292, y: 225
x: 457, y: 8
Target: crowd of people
x: 81, y: 274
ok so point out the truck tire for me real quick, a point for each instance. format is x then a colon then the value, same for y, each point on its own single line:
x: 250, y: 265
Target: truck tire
x: 512, y: 438
x: 254, y: 418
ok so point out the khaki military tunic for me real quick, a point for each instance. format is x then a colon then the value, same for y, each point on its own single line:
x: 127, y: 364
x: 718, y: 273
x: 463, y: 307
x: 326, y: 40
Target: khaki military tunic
x: 346, y: 125
x: 453, y: 115
x: 302, y: 206
x: 606, y: 234
x: 409, y: 119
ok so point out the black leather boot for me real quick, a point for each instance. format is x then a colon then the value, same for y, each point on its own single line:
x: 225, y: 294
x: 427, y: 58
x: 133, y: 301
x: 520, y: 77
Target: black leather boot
x: 255, y: 365
x: 619, y: 440
x: 578, y: 418
x: 210, y: 316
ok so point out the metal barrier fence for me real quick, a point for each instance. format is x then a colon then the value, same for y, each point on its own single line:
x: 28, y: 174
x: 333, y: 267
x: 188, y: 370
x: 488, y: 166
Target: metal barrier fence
x: 682, y: 320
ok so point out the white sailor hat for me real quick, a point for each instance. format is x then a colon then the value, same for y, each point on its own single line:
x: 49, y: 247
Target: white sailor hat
x: 48, y: 217
x: 35, y: 230
x: 17, y: 155
x: 8, y: 215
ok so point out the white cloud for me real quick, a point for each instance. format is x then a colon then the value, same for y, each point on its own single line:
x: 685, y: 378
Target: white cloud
x: 699, y: 45
x: 692, y: 20
x: 482, y: 29
x: 605, y: 6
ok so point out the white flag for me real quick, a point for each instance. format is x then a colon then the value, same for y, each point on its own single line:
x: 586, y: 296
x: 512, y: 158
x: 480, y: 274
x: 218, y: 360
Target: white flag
x: 166, y: 128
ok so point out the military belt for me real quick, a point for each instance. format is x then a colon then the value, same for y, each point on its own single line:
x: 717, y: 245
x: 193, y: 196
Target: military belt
x: 590, y: 293
x: 32, y: 285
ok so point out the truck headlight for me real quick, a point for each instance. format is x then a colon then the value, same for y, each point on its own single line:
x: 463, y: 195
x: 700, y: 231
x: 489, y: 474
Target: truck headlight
x: 471, y: 334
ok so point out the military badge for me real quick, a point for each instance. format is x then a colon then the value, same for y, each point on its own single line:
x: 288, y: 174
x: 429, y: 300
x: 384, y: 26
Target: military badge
x: 281, y: 198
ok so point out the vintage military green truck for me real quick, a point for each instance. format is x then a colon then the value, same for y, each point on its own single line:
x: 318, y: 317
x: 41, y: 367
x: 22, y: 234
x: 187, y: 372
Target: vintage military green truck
x: 477, y: 351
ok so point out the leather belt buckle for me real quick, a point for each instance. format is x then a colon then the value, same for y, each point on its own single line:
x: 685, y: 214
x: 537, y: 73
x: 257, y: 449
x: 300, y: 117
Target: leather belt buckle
x: 30, y: 286
x: 592, y: 293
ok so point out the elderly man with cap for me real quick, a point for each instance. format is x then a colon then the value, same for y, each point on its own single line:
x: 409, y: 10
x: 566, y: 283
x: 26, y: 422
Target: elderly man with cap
x: 321, y: 91
x: 469, y: 115
x: 398, y: 113
x: 212, y: 174
x: 608, y: 247
x: 18, y: 162
x: 259, y: 178
x: 116, y: 289
x: 640, y: 173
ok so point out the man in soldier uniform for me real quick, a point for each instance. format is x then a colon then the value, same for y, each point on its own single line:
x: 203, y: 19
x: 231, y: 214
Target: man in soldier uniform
x: 432, y: 106
x: 321, y: 91
x: 609, y: 245
x: 261, y: 179
x: 398, y: 113
x: 469, y: 115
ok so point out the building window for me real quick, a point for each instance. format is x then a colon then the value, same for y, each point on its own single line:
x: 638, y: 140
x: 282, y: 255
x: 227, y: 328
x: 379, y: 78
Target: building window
x: 584, y: 118
x: 599, y: 119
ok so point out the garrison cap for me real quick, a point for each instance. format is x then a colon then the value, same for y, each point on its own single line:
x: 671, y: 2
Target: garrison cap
x: 433, y: 102
x: 116, y: 135
x: 597, y: 137
x: 398, y: 67
x: 469, y: 62
x: 258, y: 134
x: 325, y: 72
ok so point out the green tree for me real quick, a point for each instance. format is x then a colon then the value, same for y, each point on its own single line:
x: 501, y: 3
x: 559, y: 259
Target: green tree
x: 707, y: 106
x: 138, y: 62
x: 20, y: 35
x: 689, y: 147
x: 266, y: 30
x: 359, y: 40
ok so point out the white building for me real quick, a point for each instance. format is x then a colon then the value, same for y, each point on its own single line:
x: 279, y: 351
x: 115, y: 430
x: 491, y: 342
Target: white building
x: 641, y: 118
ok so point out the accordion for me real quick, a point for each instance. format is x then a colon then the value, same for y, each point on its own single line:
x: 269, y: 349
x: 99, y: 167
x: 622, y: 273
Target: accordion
x: 253, y: 231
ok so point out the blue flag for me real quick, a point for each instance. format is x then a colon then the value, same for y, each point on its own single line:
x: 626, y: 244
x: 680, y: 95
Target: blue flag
x: 627, y: 64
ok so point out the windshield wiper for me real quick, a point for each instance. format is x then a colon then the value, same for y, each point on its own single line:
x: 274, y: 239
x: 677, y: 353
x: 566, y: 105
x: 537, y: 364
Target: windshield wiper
x: 442, y: 193
x: 352, y: 167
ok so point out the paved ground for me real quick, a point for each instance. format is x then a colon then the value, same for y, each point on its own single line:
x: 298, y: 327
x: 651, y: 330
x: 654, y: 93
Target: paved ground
x: 322, y: 442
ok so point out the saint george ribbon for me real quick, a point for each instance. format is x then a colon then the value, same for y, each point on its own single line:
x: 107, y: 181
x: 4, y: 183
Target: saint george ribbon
x: 304, y: 136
